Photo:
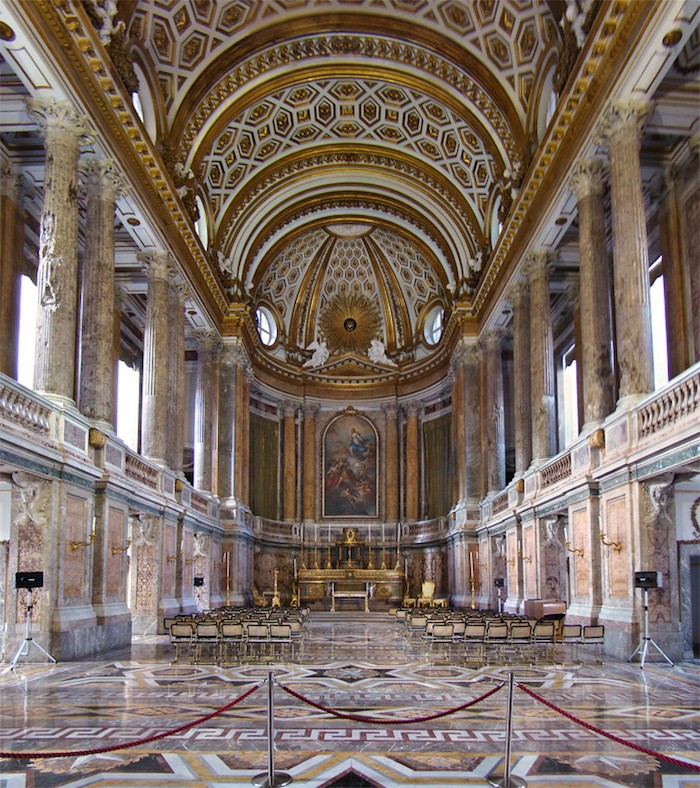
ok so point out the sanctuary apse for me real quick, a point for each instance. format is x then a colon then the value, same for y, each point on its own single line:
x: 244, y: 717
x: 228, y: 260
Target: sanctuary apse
x: 353, y: 254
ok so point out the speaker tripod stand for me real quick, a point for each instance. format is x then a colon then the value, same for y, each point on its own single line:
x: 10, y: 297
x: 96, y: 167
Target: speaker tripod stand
x: 28, y: 641
x: 646, y: 640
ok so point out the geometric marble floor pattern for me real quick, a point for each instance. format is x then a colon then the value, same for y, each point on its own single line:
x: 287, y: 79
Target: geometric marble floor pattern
x: 355, y: 663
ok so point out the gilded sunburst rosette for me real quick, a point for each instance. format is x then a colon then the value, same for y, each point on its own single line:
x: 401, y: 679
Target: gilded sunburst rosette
x: 349, y: 322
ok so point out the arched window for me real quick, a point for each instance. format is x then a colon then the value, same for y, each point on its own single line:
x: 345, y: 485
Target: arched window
x: 267, y: 326
x: 433, y: 325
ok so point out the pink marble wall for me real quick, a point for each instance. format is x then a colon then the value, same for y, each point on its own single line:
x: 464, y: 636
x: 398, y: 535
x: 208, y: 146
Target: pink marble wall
x: 581, y: 564
x: 75, y: 529
x: 114, y: 586
x: 616, y: 531
x: 529, y: 562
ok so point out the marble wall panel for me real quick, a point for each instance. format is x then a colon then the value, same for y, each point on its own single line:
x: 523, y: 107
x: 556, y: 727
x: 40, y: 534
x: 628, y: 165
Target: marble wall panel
x: 73, y: 565
x: 170, y: 555
x: 114, y: 586
x: 581, y: 563
x: 616, y: 531
x: 529, y: 562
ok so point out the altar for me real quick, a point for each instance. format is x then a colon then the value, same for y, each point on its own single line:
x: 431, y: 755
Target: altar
x: 350, y: 574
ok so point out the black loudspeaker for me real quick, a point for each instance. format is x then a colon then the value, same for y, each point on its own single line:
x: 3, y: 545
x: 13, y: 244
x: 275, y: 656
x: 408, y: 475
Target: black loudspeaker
x: 499, y: 582
x: 29, y: 580
x: 199, y: 581
x: 647, y: 579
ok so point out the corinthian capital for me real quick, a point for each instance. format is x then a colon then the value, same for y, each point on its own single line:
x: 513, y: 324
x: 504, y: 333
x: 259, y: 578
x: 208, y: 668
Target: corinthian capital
x: 540, y: 262
x: 104, y: 176
x: 587, y: 177
x: 156, y: 264
x: 623, y: 119
x: 56, y: 116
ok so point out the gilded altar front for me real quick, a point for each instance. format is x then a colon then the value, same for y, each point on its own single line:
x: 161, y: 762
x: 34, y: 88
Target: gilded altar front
x: 374, y: 589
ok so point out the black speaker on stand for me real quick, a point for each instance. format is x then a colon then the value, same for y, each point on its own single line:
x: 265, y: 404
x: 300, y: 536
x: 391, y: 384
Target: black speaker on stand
x: 499, y: 582
x: 645, y: 581
x: 29, y: 581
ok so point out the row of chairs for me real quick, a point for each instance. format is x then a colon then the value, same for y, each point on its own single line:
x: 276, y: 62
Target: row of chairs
x: 489, y: 638
x: 225, y: 640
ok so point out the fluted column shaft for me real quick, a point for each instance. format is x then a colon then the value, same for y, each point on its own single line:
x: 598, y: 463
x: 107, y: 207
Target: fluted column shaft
x: 177, y: 380
x: 97, y: 367
x: 522, y: 400
x: 241, y: 433
x: 392, y: 464
x: 12, y: 220
x: 494, y: 423
x: 473, y: 484
x: 309, y: 469
x: 57, y: 280
x: 289, y: 484
x: 154, y: 386
x: 621, y: 130
x: 458, y: 418
x: 598, y: 395
x: 231, y: 358
x: 671, y: 227
x: 204, y: 410
x: 412, y: 463
x: 541, y: 357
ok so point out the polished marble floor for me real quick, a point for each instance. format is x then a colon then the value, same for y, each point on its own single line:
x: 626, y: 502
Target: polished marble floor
x: 355, y: 663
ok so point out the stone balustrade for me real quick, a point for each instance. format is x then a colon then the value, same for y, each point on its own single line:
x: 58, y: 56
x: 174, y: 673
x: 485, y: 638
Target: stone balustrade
x: 276, y: 528
x: 556, y: 471
x: 671, y: 405
x: 21, y: 407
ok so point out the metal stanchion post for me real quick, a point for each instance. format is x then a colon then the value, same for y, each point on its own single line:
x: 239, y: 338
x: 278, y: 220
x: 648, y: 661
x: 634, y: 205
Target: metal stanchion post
x: 271, y: 778
x: 508, y: 781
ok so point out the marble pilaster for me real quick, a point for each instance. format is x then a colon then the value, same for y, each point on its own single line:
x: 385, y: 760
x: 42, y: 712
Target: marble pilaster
x: 104, y: 184
x: 176, y: 377
x: 594, y: 290
x: 309, y: 469
x: 522, y: 401
x: 204, y: 410
x: 541, y: 357
x: 473, y: 485
x: 493, y: 418
x: 620, y: 130
x: 391, y: 497
x: 412, y: 462
x: 154, y: 385
x: 289, y: 483
x: 242, y: 427
x: 57, y: 280
x: 458, y: 420
x: 148, y: 564
x: 12, y: 220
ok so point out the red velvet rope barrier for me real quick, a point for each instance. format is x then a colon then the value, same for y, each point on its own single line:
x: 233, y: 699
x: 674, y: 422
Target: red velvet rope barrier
x: 378, y: 721
x: 645, y: 750
x: 129, y: 744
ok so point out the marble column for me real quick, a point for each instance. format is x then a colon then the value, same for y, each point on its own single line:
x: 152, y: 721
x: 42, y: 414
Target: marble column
x: 473, y: 480
x: 675, y: 290
x: 204, y: 410
x: 243, y: 432
x: 541, y: 357
x: 232, y: 356
x: 309, y: 469
x: 594, y: 290
x: 620, y: 129
x: 12, y: 220
x: 177, y: 379
x: 104, y: 184
x: 154, y: 384
x: 494, y: 425
x: 391, y: 459
x: 522, y: 401
x: 458, y: 420
x: 289, y: 483
x: 57, y: 280
x: 412, y: 462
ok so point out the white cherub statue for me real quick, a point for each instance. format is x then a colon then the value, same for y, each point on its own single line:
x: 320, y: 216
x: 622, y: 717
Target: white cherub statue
x: 320, y: 355
x: 377, y: 353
